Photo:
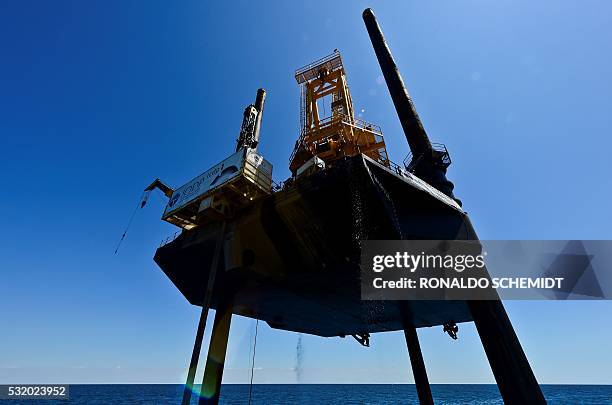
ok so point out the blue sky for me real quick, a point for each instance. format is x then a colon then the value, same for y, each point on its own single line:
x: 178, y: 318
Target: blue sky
x: 99, y: 98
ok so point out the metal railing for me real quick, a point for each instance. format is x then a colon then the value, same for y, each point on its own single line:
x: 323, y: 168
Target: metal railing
x: 345, y: 119
x: 439, y: 152
x: 336, y: 119
x: 170, y: 238
x: 308, y: 72
x: 359, y: 123
x: 399, y: 170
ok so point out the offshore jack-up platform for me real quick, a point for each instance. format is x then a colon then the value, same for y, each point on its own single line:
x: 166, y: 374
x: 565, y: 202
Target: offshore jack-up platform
x: 290, y: 255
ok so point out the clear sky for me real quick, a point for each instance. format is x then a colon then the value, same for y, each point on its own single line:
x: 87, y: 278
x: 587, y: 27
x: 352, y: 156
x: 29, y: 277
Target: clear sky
x: 99, y: 98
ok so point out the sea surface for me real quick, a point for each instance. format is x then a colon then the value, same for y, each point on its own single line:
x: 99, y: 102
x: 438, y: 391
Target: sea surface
x: 325, y: 394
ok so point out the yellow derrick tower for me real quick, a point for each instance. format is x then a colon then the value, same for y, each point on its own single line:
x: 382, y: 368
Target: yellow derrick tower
x: 323, y: 83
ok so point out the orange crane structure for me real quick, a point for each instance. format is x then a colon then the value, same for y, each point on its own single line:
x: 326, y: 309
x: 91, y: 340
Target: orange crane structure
x: 340, y: 134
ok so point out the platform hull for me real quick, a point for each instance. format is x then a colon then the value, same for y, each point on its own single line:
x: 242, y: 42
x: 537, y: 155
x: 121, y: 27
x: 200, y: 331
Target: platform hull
x: 292, y: 258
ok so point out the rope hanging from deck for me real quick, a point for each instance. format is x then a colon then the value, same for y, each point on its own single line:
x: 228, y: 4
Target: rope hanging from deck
x: 253, y: 361
x: 141, y: 203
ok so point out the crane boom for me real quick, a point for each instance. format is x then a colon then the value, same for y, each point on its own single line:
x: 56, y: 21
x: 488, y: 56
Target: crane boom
x: 157, y: 183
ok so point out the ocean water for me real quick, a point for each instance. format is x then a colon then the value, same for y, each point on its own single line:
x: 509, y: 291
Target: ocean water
x: 326, y: 394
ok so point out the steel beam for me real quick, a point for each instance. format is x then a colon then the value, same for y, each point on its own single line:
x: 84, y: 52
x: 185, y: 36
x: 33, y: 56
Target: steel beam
x: 197, y: 345
x: 416, y: 357
x: 429, y: 166
x: 259, y: 106
x: 418, y: 366
x: 213, y: 373
x: 515, y: 379
x: 411, y: 123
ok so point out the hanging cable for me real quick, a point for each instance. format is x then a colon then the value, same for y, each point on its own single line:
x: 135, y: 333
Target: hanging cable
x: 253, y: 361
x: 141, y: 203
